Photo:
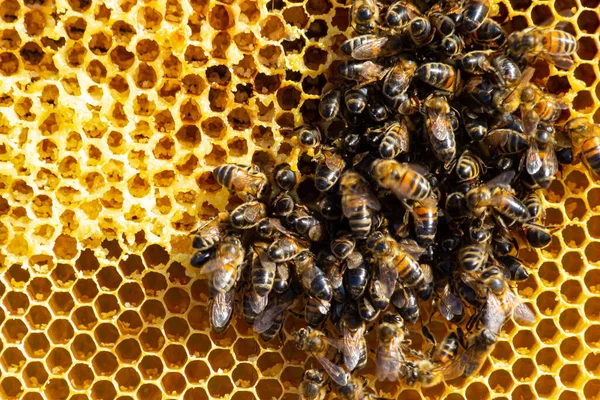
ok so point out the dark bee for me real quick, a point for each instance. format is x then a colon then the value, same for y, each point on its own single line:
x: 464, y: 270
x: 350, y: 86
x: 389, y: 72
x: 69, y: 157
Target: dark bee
x: 201, y: 257
x: 452, y: 45
x: 443, y: 23
x: 474, y: 14
x: 330, y: 208
x: 312, y: 385
x: 317, y: 344
x: 475, y: 125
x: 282, y: 205
x: 399, y: 77
x: 208, y: 234
x: 469, y: 166
x: 421, y: 31
x: 490, y: 34
x: 364, y: 15
x: 517, y: 270
x: 268, y: 323
x: 506, y: 141
x: 366, y: 310
x: 285, y: 178
x: 306, y: 224
x: 439, y: 128
x: 285, y: 248
x: 377, y: 110
x: 308, y: 136
x: 439, y: 75
x: 476, y: 62
x: 363, y: 72
x: 221, y: 310
x: 586, y: 137
x: 358, y: 203
x: 248, y: 215
x: 356, y: 280
x: 248, y: 182
x: 312, y: 278
x: 356, y: 100
x: 329, y: 106
x: 316, y: 311
x: 329, y: 169
x: 400, y: 14
x: 263, y: 270
x: 406, y: 304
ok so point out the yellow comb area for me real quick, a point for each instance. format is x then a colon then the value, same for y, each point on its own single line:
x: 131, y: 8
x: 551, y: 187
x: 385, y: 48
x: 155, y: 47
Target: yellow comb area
x: 113, y: 115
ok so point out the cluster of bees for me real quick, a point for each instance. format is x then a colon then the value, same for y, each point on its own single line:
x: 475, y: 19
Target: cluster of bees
x: 422, y: 178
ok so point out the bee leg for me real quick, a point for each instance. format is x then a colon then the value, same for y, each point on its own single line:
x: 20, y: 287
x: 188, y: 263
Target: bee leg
x: 429, y: 337
x: 461, y: 338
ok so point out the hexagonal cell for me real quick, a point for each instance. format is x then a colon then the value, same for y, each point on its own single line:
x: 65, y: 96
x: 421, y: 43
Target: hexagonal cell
x: 524, y: 342
x: 571, y: 376
x: 35, y: 375
x: 107, y: 306
x: 197, y: 371
x: 32, y: 396
x: 61, y: 303
x: 151, y: 367
x: 131, y: 294
x: 477, y: 390
x: 128, y: 351
x: 175, y: 356
x: 570, y: 320
x: 39, y: 288
x: 38, y: 317
x: 545, y: 386
x: 37, y: 345
x: 17, y: 276
x: 501, y: 381
x: 105, y: 363
x: 85, y: 290
x: 571, y: 348
x: 60, y: 331
x: 83, y: 347
x: 524, y: 369
x: 270, y: 363
x: 549, y: 274
x: 573, y: 263
x: 152, y: 339
x: 198, y: 345
x: 244, y: 375
x: 592, y: 363
x: 547, y: 331
x: 153, y: 311
x: 503, y: 352
x: 173, y: 383
x: 129, y: 322
x: 547, y: 359
x: 16, y: 303
x: 591, y: 389
x: 12, y: 359
x: 227, y: 338
x: 84, y: 318
x: 197, y: 393
x: 59, y: 360
x: 221, y: 360
x: 127, y: 379
x: 109, y: 278
x: 522, y: 392
x: 57, y: 388
x: 106, y: 334
x: 592, y: 308
x: 103, y: 390
x: 592, y: 281
x: 11, y: 387
x: 176, y: 329
x: 268, y: 389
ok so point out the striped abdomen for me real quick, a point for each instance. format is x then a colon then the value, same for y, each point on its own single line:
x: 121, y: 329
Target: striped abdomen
x: 590, y: 151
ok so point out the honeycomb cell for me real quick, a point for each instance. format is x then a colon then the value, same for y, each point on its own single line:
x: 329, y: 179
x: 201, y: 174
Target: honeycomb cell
x: 524, y: 342
x: 83, y: 347
x: 501, y: 381
x: 572, y: 263
x: 197, y: 371
x: 38, y: 317
x: 570, y: 320
x: 11, y: 387
x: 199, y: 345
x: 14, y: 330
x: 12, y: 359
x: 128, y: 351
x: 59, y: 360
x: 270, y: 363
x: 57, y: 388
x: 127, y: 379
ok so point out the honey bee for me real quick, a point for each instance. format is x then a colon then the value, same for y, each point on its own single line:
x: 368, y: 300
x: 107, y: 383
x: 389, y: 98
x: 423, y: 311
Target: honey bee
x: 364, y: 15
x: 456, y: 208
x: 248, y: 307
x: 406, y: 304
x: 354, y: 390
x: 343, y: 247
x: 439, y: 127
x: 421, y: 31
x: 442, y: 22
x: 496, y: 194
x: 262, y: 270
x: 395, y: 140
x: 352, y: 344
x: 316, y: 311
x: 358, y: 203
x: 221, y: 310
x: 357, y: 279
x: 469, y: 167
x: 489, y: 34
x: 473, y: 257
x: 268, y: 323
x: 430, y: 371
x: 508, y: 99
x: 378, y: 111
x: 285, y: 178
x: 506, y: 141
x: 248, y: 215
x: 317, y: 344
x: 208, y: 234
x: 329, y: 169
x: 308, y: 136
x: 366, y: 310
x: 506, y: 69
x: 396, y: 258
x: 517, y: 270
x: 399, y: 77
x: 381, y: 286
x: 446, y: 302
x: 312, y: 385
x: 536, y: 234
x: 329, y: 207
x: 368, y: 47
x: 476, y: 62
x: 452, y: 45
x: 246, y: 181
x: 474, y: 14
x: 201, y: 257
x: 391, y: 338
x: 439, y: 75
x: 400, y: 13
x: 225, y: 264
x: 282, y: 205
x: 286, y: 248
x: 541, y: 164
x: 586, y: 136
x: 502, y: 302
x: 406, y: 181
x: 363, y: 72
x: 356, y: 100
x: 481, y: 343
x: 552, y: 45
x: 329, y: 106
x: 306, y: 224
x: 475, y: 125
x: 425, y: 218
x: 312, y: 278
x: 282, y: 276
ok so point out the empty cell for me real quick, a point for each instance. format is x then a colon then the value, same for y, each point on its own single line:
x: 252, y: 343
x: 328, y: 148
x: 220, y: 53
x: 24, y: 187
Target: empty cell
x: 246, y: 349
x: 273, y: 28
x: 268, y: 389
x: 199, y: 317
x: 106, y: 334
x: 12, y: 359
x: 545, y: 386
x: 574, y: 236
x: 525, y: 342
x: 237, y: 147
x: 556, y: 192
x: 270, y: 363
x: 104, y: 390
x: 131, y: 294
x: 592, y: 335
x: 571, y: 291
x: 221, y: 360
x: 14, y: 330
x: 592, y: 280
x: 197, y: 393
x: 266, y: 84
x: 175, y: 356
x: 591, y: 389
x: 547, y: 331
x: 503, y: 352
x: 570, y: 320
x: 220, y: 386
x: 83, y: 347
x: 149, y: 391
x: 477, y: 390
x: 152, y: 339
x: 128, y: 351
x: 500, y: 381
x: 127, y: 379
x: 524, y: 369
x: 61, y: 303
x: 197, y: 371
x: 572, y: 263
x: 239, y: 119
x: 59, y: 360
x: 549, y: 273
x: 173, y: 383
x: 38, y: 317
x: 177, y: 300
x: 547, y: 303
x: 107, y: 306
x: 151, y: 367
x: 315, y: 57
x: 11, y: 387
x: 570, y: 375
x: 570, y: 348
x: 592, y: 363
x: 592, y: 308
x: 57, y: 388
x: 16, y: 303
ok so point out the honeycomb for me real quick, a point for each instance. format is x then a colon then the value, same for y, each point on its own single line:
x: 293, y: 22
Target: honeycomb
x: 113, y: 114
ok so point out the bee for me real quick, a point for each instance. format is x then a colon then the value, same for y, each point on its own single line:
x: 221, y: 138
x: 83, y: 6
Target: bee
x: 541, y: 164
x: 425, y: 218
x: 366, y: 310
x: 201, y: 257
x: 430, y: 371
x: 282, y: 276
x: 452, y: 45
x: 381, y: 286
x: 334, y: 270
x: 285, y: 178
x: 364, y: 15
x: 308, y: 136
x: 262, y: 270
x: 564, y: 155
x: 502, y: 302
x: 282, y: 205
x: 508, y: 99
x: 469, y: 167
x: 506, y: 141
x: 474, y: 14
x: 248, y: 307
x: 378, y: 111
x: 475, y: 125
x: 356, y: 100
x: 490, y: 34
x: 473, y: 257
x: 552, y: 45
x: 317, y: 344
x: 329, y: 106
x: 456, y: 207
x: 439, y: 127
x: 368, y: 47
x: 286, y: 248
x: 496, y: 194
x: 586, y: 136
x: 271, y: 228
x: 208, y: 234
x: 352, y: 344
x: 396, y: 258
x: 404, y: 104
x: 537, y: 235
x: 439, y: 75
x: 316, y: 311
x: 400, y: 14
x: 442, y: 23
x: 221, y: 310
x: 248, y: 215
x: 343, y: 245
x: 312, y: 385
x: 329, y: 207
x: 268, y: 323
x: 312, y: 278
x: 357, y: 279
x: 246, y: 181
x: 306, y: 224
x: 354, y: 390
x: 406, y: 181
x: 358, y: 203
x: 395, y: 140
x: 475, y: 62
x: 506, y: 69
x: 481, y: 90
x: 329, y: 169
x: 406, y: 304
x: 363, y: 72
x: 391, y: 338
x: 446, y: 302
x: 480, y: 344
x: 517, y: 270
x: 399, y: 77
x: 421, y: 31
x: 224, y: 266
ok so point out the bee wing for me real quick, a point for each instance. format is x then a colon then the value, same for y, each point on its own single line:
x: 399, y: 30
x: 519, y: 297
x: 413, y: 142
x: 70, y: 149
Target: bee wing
x: 283, y: 270
x: 521, y: 313
x: 352, y: 343
x: 258, y: 303
x: 494, y: 316
x: 222, y: 308
x: 560, y: 60
x: 253, y: 211
x: 322, y: 305
x: 412, y: 248
x: 212, y: 265
x: 503, y: 180
x: 440, y: 126
x: 265, y: 319
x: 457, y: 368
x: 387, y: 279
x: 337, y: 373
x: 418, y: 168
x: 335, y: 162
x: 533, y: 161
x: 265, y: 260
x: 450, y: 305
x: 388, y: 363
x: 516, y: 92
x: 427, y: 273
x: 369, y: 49
x: 531, y: 120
